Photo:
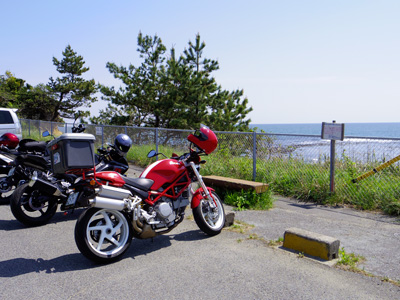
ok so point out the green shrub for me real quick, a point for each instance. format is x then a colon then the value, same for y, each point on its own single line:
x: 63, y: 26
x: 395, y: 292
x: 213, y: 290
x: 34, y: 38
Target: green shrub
x: 248, y: 200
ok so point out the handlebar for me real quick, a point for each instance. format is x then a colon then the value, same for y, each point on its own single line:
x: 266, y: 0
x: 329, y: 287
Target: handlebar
x: 191, y: 157
x: 78, y: 129
x: 186, y: 157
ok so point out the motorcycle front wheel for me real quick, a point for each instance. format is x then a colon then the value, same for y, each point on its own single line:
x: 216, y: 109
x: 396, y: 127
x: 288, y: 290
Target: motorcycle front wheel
x: 210, y: 220
x: 103, y: 235
x: 31, y: 207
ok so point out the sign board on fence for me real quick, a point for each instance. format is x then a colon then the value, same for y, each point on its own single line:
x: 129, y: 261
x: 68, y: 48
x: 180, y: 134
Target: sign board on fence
x: 332, y: 131
x: 99, y: 130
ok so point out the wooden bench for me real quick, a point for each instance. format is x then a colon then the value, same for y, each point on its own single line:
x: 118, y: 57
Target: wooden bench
x: 236, y: 184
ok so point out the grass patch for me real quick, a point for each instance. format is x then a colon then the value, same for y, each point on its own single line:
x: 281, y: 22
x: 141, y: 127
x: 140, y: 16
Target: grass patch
x: 240, y: 227
x: 311, y: 181
x: 248, y: 199
x: 300, y: 180
x: 275, y: 243
x: 350, y: 261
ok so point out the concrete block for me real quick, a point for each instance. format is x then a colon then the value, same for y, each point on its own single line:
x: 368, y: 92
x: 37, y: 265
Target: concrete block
x: 311, y: 243
x: 229, y: 219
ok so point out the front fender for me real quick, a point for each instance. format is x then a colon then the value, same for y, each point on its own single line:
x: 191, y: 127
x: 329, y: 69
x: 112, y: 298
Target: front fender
x: 198, y: 196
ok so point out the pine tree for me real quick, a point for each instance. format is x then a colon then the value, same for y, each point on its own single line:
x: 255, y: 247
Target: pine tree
x: 174, y: 92
x: 71, y: 90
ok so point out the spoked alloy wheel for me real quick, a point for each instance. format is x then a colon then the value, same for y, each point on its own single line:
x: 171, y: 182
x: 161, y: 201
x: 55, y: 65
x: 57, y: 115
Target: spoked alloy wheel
x: 31, y: 207
x: 210, y: 220
x: 103, y: 235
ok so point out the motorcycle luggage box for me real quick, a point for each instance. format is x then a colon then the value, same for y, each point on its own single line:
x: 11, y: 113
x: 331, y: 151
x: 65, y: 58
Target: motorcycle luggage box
x: 72, y: 151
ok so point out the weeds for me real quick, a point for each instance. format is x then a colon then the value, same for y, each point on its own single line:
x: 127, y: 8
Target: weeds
x: 311, y: 181
x: 240, y: 227
x: 277, y: 242
x: 248, y: 200
x: 350, y: 261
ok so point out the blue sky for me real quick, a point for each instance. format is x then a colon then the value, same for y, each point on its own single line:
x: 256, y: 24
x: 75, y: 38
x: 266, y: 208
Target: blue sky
x: 297, y: 61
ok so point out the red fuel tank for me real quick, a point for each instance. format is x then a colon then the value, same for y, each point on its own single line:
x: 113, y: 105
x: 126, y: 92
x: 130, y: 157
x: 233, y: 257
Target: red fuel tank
x: 112, y: 177
x: 163, y: 171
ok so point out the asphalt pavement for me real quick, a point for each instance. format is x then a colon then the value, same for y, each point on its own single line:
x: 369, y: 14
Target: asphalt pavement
x: 44, y: 262
x: 374, y: 236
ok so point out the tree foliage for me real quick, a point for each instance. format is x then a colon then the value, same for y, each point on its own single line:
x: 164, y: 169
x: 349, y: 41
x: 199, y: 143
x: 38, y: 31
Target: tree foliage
x: 71, y: 90
x: 170, y: 92
x: 10, y: 87
x: 60, y: 98
x: 32, y: 102
x: 36, y: 103
x: 165, y: 90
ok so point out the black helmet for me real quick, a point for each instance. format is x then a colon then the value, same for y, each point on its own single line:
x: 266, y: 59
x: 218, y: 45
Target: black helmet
x: 122, y: 143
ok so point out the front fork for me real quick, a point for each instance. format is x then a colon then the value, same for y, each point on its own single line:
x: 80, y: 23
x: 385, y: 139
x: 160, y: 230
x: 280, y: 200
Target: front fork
x: 197, y: 197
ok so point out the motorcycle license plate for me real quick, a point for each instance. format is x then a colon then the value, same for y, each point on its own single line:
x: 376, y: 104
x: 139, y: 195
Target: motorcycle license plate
x: 11, y: 172
x: 72, y: 199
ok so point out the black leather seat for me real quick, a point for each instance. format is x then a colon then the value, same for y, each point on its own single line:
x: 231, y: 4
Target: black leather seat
x: 28, y: 145
x: 140, y: 183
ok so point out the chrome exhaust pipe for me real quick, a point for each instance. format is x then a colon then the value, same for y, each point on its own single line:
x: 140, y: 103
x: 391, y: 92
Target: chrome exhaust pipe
x: 102, y: 202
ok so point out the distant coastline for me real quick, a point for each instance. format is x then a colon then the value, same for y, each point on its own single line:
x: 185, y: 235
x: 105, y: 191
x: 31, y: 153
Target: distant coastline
x: 381, y: 130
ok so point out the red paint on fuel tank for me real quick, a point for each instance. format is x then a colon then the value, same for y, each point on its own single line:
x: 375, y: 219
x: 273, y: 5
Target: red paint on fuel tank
x: 114, y: 178
x: 163, y: 171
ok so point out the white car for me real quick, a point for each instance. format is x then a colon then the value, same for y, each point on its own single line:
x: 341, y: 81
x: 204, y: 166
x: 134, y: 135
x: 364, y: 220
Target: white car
x: 9, y: 122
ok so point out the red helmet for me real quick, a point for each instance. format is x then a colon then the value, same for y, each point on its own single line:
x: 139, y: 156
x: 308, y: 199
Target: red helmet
x: 10, y: 140
x: 204, y: 139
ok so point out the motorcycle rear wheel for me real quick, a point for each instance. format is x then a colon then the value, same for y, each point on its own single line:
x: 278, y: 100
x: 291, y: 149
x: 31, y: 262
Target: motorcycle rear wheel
x: 30, y: 207
x: 210, y: 221
x: 103, y: 235
x: 6, y: 190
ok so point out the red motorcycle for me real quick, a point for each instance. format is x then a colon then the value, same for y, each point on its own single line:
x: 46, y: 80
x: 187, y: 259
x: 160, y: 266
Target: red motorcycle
x: 150, y: 205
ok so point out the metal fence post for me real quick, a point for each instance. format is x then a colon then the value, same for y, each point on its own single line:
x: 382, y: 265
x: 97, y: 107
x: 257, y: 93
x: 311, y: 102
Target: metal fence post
x: 332, y: 167
x: 102, y: 135
x: 254, y: 155
x: 156, y: 140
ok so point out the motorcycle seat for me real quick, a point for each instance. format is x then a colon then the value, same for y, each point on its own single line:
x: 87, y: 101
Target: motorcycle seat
x: 29, y: 145
x: 140, y: 183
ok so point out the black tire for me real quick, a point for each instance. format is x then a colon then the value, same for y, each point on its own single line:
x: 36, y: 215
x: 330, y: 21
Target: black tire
x: 210, y: 221
x: 6, y: 190
x: 103, y: 235
x: 30, y: 207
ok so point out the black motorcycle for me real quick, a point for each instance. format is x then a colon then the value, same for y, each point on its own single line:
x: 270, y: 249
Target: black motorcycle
x: 35, y: 202
x: 18, y: 159
x: 28, y: 150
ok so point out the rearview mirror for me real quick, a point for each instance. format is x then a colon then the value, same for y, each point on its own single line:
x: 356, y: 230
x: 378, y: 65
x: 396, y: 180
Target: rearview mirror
x: 152, y: 153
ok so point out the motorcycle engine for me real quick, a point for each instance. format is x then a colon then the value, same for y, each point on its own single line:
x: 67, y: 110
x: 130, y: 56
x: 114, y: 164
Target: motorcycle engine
x: 165, y: 212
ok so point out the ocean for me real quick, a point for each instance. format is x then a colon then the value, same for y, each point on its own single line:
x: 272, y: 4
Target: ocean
x: 365, y: 142
x: 379, y: 130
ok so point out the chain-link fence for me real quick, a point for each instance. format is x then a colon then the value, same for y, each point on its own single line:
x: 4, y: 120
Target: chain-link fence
x: 293, y: 165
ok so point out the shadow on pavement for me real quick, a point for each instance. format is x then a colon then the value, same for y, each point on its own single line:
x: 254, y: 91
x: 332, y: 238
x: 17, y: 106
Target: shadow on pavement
x: 76, y: 261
